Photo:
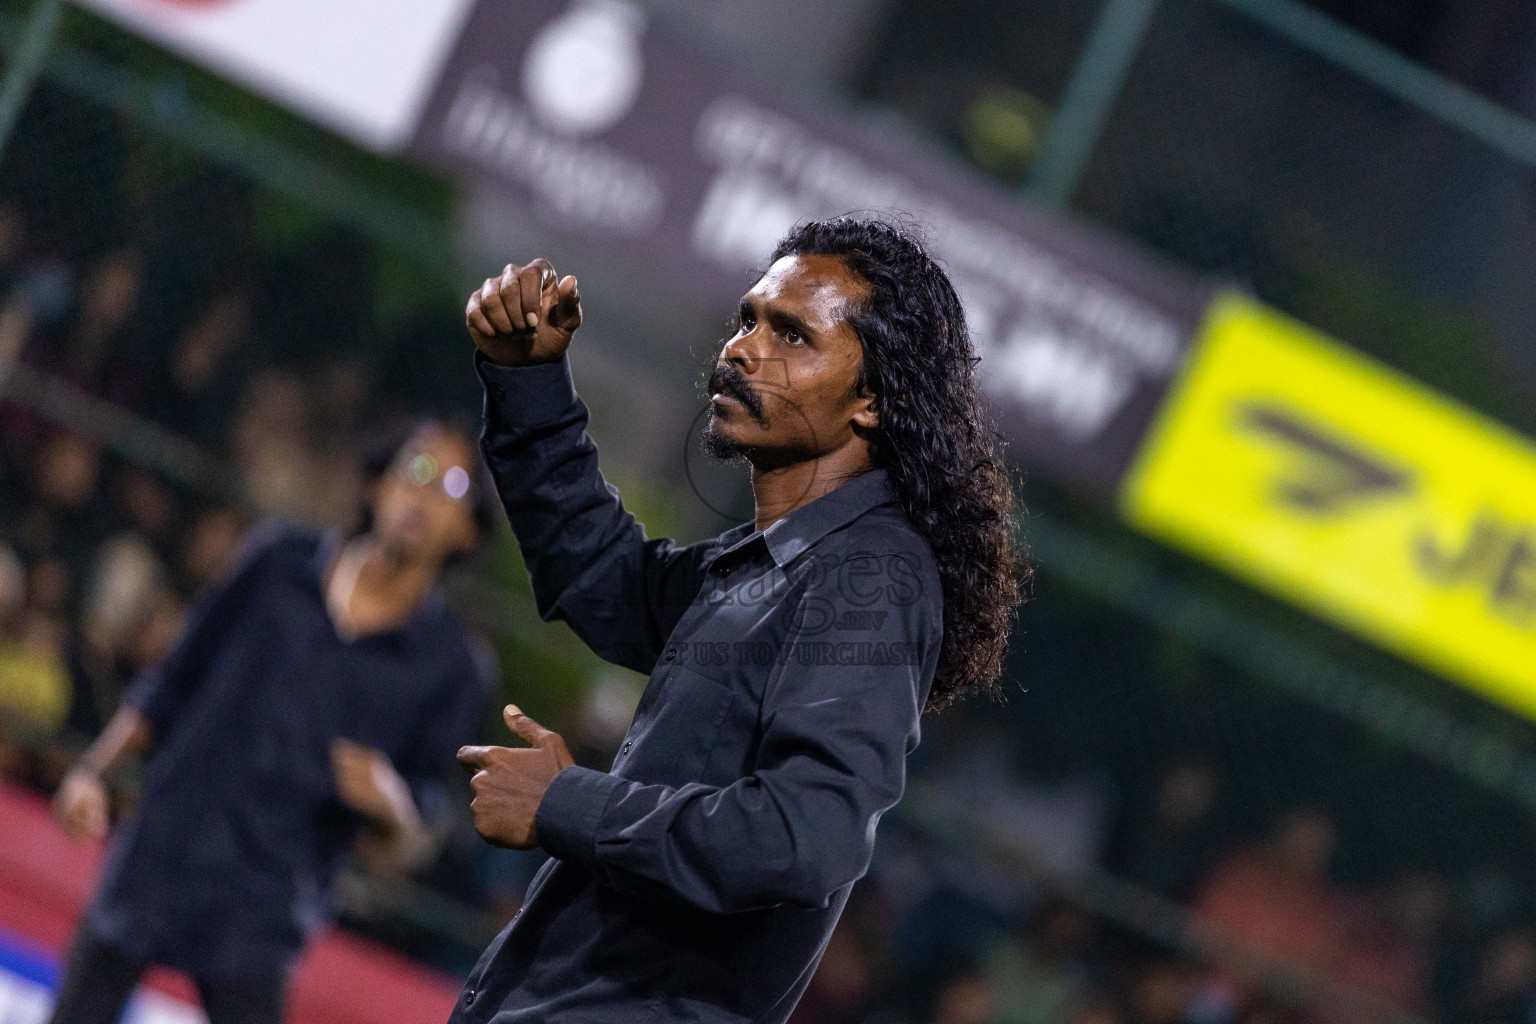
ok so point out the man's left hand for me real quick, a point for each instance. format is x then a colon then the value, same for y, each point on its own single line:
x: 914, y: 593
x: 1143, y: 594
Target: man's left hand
x: 509, y: 783
x: 368, y: 783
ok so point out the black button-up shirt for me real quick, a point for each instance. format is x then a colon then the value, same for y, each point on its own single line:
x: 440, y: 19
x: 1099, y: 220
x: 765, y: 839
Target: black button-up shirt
x: 700, y: 878
x: 228, y: 865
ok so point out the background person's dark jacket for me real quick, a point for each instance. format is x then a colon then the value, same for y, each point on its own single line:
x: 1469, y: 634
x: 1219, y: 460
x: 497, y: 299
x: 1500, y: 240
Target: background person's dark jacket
x: 227, y: 867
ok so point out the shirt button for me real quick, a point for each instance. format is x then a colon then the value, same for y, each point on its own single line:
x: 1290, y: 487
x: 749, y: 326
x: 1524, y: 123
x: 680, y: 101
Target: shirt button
x: 671, y: 654
x: 469, y: 997
x: 627, y: 745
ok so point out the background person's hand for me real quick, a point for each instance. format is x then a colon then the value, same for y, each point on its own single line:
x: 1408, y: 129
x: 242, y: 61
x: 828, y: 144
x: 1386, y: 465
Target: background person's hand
x: 524, y: 316
x: 368, y: 783
x: 81, y: 806
x: 509, y: 783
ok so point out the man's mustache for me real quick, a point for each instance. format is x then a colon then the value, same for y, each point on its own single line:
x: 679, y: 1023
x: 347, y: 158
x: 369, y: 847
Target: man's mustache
x: 729, y: 381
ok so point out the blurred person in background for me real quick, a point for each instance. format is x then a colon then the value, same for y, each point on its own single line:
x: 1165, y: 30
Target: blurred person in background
x: 966, y: 999
x: 1167, y: 840
x: 1278, y: 898
x: 1389, y: 951
x: 1503, y: 989
x: 1098, y: 1010
x: 34, y: 681
x: 1039, y: 980
x: 65, y: 517
x: 210, y: 545
x: 790, y: 659
x: 843, y: 986
x: 98, y: 330
x: 1158, y: 990
x: 313, y: 701
x: 201, y: 375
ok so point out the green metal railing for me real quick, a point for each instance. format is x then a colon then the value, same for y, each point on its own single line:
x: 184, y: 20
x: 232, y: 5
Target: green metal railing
x: 1116, y: 39
x: 26, y: 61
x: 34, y: 49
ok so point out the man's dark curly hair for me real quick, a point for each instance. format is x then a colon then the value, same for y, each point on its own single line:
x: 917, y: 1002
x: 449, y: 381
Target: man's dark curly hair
x: 940, y: 448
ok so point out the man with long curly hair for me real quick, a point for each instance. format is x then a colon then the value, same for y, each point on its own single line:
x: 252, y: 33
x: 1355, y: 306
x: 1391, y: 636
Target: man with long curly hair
x: 790, y: 659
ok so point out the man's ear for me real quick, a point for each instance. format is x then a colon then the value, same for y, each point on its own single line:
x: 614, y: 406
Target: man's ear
x: 865, y: 414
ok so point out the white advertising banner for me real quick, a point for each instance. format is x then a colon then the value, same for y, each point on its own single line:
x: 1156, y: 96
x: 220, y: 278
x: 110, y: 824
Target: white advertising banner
x: 361, y: 67
x: 610, y: 131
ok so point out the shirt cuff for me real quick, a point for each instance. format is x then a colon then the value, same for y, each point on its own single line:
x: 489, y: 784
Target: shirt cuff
x: 144, y: 695
x: 527, y: 396
x: 569, y: 813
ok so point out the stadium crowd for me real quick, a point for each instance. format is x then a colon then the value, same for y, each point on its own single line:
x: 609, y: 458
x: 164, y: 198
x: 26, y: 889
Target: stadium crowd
x: 101, y: 555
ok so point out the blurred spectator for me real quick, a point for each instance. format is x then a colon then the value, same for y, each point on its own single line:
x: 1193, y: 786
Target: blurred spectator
x: 49, y: 586
x: 1170, y: 837
x: 1504, y: 987
x: 127, y: 576
x: 1277, y: 898
x: 64, y: 518
x: 841, y: 989
x: 13, y: 583
x: 13, y: 234
x: 210, y: 545
x: 287, y: 474
x: 1096, y: 1011
x: 146, y: 506
x: 1159, y: 991
x: 1041, y: 979
x: 34, y: 681
x: 1389, y: 951
x: 1265, y: 1011
x: 199, y: 389
x: 968, y: 999
x: 122, y: 593
x: 107, y: 301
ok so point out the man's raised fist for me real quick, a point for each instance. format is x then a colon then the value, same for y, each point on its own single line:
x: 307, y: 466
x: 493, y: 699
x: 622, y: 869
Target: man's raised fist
x: 524, y: 316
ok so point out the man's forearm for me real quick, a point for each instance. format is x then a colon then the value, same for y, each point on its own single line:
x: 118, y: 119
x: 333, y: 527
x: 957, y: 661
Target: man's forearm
x: 403, y: 838
x: 128, y: 734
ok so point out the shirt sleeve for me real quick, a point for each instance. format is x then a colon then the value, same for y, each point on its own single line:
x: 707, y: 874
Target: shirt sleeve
x: 801, y: 826
x: 589, y: 561
x: 161, y: 693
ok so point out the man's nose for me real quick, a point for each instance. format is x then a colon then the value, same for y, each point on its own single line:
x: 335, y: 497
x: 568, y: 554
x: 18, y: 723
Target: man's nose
x: 745, y: 351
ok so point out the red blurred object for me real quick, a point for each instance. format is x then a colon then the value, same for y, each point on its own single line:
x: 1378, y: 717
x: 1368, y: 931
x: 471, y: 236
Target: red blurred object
x: 45, y: 882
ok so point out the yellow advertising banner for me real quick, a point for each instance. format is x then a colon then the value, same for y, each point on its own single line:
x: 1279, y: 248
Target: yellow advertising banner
x: 1317, y: 473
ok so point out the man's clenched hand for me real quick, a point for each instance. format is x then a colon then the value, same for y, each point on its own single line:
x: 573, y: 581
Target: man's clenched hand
x: 81, y: 806
x: 524, y: 316
x: 509, y: 783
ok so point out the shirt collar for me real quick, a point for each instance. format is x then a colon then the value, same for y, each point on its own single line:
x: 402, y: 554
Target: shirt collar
x: 792, y: 535
x: 327, y: 547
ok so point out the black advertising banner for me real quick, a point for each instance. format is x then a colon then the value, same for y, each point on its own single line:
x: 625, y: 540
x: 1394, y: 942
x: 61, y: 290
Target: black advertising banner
x: 609, y: 130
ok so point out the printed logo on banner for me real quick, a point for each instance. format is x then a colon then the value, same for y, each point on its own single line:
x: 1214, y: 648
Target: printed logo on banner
x: 609, y: 132
x: 582, y: 73
x: 1065, y: 349
x: 1329, y: 479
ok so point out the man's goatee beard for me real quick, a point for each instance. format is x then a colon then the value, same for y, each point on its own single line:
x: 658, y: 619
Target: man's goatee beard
x: 717, y: 446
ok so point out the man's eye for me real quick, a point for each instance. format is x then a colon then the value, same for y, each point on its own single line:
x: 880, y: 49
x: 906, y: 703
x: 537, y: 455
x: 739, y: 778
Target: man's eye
x: 794, y: 337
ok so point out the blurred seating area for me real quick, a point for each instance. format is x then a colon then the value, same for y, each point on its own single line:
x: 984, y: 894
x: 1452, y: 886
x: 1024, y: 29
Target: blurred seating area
x: 1008, y: 896
x: 1016, y: 885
